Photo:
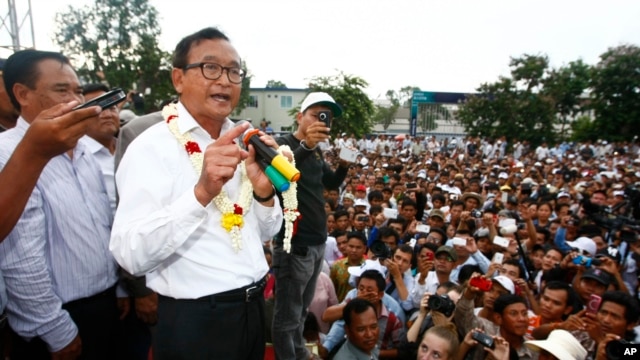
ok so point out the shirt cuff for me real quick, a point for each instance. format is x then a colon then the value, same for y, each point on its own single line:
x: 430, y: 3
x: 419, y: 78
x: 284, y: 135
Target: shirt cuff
x: 61, y: 334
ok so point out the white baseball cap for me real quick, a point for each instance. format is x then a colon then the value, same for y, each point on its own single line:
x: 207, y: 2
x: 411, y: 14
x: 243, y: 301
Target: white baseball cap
x: 585, y: 244
x: 361, y: 202
x: 321, y: 98
x: 505, y: 282
x: 356, y: 271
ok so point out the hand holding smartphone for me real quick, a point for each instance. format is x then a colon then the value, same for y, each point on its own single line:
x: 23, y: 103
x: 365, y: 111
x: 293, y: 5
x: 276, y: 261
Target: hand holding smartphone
x: 484, y: 339
x: 593, y: 305
x: 106, y: 100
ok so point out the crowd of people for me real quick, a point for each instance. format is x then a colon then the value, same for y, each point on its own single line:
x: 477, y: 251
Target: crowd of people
x: 547, y: 236
x: 164, y: 239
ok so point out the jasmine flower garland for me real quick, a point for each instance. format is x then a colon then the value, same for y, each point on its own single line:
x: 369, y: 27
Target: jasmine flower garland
x: 290, y: 200
x: 232, y: 214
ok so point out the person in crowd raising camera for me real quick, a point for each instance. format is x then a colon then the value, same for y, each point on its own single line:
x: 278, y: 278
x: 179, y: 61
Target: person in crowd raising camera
x: 297, y: 271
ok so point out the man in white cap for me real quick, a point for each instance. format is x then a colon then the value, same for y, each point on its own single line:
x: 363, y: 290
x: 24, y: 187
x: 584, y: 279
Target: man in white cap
x: 297, y: 271
x: 560, y: 345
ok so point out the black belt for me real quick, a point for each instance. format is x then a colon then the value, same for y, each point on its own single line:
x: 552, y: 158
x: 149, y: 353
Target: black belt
x: 247, y: 293
x: 110, y: 292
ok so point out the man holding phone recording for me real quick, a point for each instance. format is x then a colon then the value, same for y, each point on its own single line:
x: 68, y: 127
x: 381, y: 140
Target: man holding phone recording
x: 297, y: 272
x: 56, y: 264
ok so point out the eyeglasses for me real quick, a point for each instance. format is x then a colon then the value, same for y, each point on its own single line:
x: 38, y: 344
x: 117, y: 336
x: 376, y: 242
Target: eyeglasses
x: 213, y: 71
x: 433, y: 239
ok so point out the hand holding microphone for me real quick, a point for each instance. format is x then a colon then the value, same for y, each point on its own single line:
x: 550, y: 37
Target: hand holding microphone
x: 275, y: 166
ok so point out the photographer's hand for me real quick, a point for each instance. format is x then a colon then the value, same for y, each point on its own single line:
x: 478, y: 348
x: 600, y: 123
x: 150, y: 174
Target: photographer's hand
x: 601, y: 354
x: 608, y: 265
x: 471, y: 246
x: 424, y: 303
x: 470, y: 291
x: 317, y: 132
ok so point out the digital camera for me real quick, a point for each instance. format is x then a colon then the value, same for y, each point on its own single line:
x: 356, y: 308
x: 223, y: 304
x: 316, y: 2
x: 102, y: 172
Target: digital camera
x: 325, y: 117
x: 586, y: 261
x: 442, y: 304
x: 380, y: 250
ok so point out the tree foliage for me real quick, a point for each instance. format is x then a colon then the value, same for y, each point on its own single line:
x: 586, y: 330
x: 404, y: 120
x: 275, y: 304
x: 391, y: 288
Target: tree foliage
x: 564, y: 87
x: 616, y: 93
x: 116, y: 42
x: 528, y: 104
x: 245, y: 96
x: 386, y: 114
x: 348, y: 91
x: 275, y: 84
x: 429, y: 113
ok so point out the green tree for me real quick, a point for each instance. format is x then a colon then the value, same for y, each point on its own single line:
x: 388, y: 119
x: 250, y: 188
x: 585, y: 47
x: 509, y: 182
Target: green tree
x: 245, y: 96
x: 583, y: 128
x: 116, y: 42
x: 386, y: 114
x: 564, y: 87
x: 514, y: 107
x: 429, y: 113
x: 275, y: 84
x: 616, y: 93
x: 348, y: 91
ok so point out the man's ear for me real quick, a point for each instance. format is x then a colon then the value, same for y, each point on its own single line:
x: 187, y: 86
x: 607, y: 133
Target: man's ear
x: 176, y: 77
x: 21, y: 93
x: 497, y: 319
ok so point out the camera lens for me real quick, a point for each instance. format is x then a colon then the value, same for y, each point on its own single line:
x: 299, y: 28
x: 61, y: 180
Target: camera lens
x: 322, y: 116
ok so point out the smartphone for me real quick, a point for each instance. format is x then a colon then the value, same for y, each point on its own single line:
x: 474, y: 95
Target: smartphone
x: 593, y: 305
x: 504, y: 197
x: 459, y: 241
x: 481, y: 283
x: 430, y: 256
x: 423, y: 228
x: 412, y: 185
x: 484, y: 339
x: 325, y: 117
x: 106, y: 100
x: 498, y: 258
x: 390, y: 213
x: 500, y: 241
x: 363, y: 218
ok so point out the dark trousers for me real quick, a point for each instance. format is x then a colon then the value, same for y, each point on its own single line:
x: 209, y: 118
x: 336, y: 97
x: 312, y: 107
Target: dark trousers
x: 97, y: 320
x: 207, y: 329
x: 135, y: 337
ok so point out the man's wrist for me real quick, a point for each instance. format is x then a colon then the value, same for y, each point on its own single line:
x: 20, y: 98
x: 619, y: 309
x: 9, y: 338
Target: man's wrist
x: 306, y: 146
x: 264, y: 199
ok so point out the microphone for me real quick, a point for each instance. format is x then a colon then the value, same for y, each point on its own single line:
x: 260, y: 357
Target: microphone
x: 278, y: 180
x: 270, y: 155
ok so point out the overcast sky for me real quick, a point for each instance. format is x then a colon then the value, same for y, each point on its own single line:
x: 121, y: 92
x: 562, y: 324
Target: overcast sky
x: 435, y: 45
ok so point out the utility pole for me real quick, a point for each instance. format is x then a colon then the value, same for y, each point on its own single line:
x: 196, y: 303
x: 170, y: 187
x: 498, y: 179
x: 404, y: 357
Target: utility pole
x: 17, y: 22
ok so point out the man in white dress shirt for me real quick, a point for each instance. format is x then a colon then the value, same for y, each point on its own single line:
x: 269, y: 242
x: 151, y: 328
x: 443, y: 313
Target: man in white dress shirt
x: 209, y: 279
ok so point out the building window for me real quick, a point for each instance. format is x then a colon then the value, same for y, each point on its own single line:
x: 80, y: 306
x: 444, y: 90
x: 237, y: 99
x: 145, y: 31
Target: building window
x: 253, y: 101
x: 286, y: 102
